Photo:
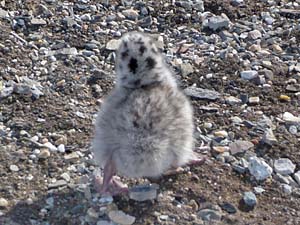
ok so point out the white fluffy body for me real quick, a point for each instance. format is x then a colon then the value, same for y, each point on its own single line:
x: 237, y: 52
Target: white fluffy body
x: 145, y: 125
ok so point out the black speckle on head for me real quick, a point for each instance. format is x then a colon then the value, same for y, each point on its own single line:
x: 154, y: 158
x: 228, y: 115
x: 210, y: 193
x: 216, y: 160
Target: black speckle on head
x: 142, y: 49
x: 125, y: 44
x: 124, y: 54
x: 120, y: 66
x: 150, y: 63
x: 133, y: 65
x: 137, y: 82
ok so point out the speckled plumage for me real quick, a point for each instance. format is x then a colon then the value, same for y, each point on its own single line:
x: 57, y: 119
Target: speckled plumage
x: 145, y: 125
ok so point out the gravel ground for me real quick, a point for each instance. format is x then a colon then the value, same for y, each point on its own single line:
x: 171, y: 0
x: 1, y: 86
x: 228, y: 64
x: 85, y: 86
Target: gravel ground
x: 239, y: 62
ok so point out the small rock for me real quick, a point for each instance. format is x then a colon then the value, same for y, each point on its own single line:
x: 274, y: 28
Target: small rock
x: 92, y: 213
x: 228, y: 207
x: 200, y: 93
x: 61, y: 148
x: 284, y: 98
x: 259, y: 190
x: 143, y: 192
x: 269, y: 137
x: 130, y: 14
x: 253, y: 100
x: 66, y: 177
x: 221, y: 133
x: 105, y: 222
x: 3, y: 203
x: 44, y: 153
x: 50, y: 146
x: 186, y: 69
x: 293, y: 87
x: 293, y: 129
x: 259, y: 168
x: 113, y: 45
x: 216, y: 23
x: 231, y: 100
x: 240, y: 146
x: 287, y: 189
x: 289, y: 117
x: 3, y: 13
x: 297, y: 177
x: 254, y: 34
x: 284, y: 166
x: 38, y: 22
x: 71, y: 157
x: 249, y: 74
x: 120, y: 217
x: 14, y: 168
x: 250, y: 199
x: 57, y: 184
x: 106, y: 200
x: 209, y: 215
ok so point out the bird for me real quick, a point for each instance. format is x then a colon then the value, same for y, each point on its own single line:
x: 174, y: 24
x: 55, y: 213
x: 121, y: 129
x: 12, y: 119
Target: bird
x: 145, y: 125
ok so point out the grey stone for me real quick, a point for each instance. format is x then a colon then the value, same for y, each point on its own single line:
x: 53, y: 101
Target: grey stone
x: 259, y: 168
x: 38, y: 22
x: 186, y: 69
x: 293, y: 87
x: 284, y: 166
x: 130, y: 14
x: 250, y: 199
x: 297, y: 177
x: 209, y: 215
x: 113, y: 45
x: 57, y: 184
x: 143, y: 192
x: 290, y: 118
x: 216, y: 23
x: 120, y: 217
x: 231, y: 100
x: 287, y: 189
x: 3, y: 13
x: 200, y: 93
x: 240, y: 146
x: 259, y: 190
x: 249, y: 74
x: 269, y: 137
x: 254, y: 34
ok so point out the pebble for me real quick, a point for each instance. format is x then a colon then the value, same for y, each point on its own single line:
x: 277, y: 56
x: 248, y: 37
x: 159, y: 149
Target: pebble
x: 284, y: 98
x: 44, y: 153
x: 253, y: 100
x: 130, y: 14
x: 231, y: 100
x: 14, y: 168
x: 105, y: 222
x: 254, y: 34
x: 186, y: 69
x: 143, y: 192
x: 221, y: 133
x: 65, y: 176
x: 3, y: 203
x: 71, y: 157
x: 61, y: 148
x: 250, y: 199
x: 200, y: 93
x: 259, y: 190
x: 38, y: 22
x: 113, y: 45
x: 284, y: 166
x: 259, y: 168
x: 287, y: 189
x: 289, y: 117
x: 57, y: 184
x: 209, y: 215
x: 240, y: 146
x: 269, y: 137
x: 297, y: 177
x: 216, y: 23
x: 228, y: 207
x: 249, y: 74
x: 50, y: 146
x: 293, y: 129
x: 120, y: 217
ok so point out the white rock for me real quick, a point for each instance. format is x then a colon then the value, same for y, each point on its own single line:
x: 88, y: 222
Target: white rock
x: 254, y: 34
x: 297, y: 177
x: 216, y: 22
x: 289, y: 117
x: 61, y: 148
x: 66, y: 177
x: 287, y: 189
x: 284, y: 166
x: 259, y: 168
x: 50, y: 146
x: 231, y: 100
x: 269, y: 137
x: 14, y: 168
x: 253, y: 100
x: 113, y: 45
x: 3, y: 202
x: 249, y: 74
x: 120, y: 217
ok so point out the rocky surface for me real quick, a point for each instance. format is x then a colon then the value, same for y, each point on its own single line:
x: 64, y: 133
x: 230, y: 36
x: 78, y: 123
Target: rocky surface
x: 238, y: 61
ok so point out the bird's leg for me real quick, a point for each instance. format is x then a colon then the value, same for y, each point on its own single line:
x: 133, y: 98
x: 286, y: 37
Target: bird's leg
x: 111, y: 185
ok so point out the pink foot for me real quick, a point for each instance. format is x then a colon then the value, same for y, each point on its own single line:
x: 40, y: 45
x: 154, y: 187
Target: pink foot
x: 110, y: 185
